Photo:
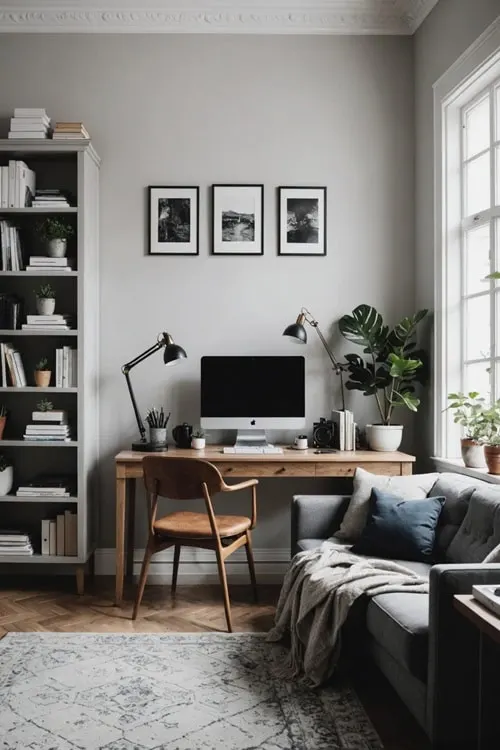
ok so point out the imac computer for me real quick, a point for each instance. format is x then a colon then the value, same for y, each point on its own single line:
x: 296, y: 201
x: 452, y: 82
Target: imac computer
x: 252, y: 394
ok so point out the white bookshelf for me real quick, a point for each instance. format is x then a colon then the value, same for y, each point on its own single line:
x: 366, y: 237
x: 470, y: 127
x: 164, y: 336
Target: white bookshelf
x: 72, y: 166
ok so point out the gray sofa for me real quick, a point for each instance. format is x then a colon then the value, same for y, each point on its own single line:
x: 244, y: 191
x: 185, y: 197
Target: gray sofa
x: 425, y: 648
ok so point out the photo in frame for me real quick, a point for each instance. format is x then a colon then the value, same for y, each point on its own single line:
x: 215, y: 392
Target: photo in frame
x: 173, y: 220
x: 237, y: 219
x: 302, y: 221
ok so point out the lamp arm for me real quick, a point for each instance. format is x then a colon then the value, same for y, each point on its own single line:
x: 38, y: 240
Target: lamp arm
x: 126, y: 371
x: 339, y: 369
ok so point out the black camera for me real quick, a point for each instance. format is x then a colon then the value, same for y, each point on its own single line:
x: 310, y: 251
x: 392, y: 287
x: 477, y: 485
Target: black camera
x: 324, y: 434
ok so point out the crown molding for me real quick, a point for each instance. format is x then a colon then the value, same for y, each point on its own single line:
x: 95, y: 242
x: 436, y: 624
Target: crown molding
x: 397, y: 17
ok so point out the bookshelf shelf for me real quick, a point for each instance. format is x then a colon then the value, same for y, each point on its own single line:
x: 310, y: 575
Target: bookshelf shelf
x: 37, y: 499
x: 34, y: 274
x: 38, y: 444
x: 36, y: 389
x: 39, y: 559
x: 20, y: 332
x: 36, y: 211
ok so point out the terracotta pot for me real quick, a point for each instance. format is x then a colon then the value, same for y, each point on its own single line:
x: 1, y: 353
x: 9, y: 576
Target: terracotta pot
x: 472, y: 454
x: 492, y: 455
x: 2, y: 426
x: 42, y: 378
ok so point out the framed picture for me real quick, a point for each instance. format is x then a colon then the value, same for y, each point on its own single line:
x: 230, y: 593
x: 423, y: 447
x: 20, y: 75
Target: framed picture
x: 237, y: 219
x: 302, y: 221
x: 173, y: 220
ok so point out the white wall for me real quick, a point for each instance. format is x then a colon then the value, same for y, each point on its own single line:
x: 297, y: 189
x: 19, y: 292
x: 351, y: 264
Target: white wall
x: 447, y: 32
x: 193, y: 110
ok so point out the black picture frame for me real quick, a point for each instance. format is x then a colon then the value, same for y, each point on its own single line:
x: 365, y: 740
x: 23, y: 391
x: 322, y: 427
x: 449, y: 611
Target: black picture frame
x: 307, y: 233
x: 175, y: 246
x: 242, y: 194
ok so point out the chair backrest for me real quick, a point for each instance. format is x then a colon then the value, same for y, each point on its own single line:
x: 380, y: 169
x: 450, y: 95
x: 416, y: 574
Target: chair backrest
x: 180, y: 478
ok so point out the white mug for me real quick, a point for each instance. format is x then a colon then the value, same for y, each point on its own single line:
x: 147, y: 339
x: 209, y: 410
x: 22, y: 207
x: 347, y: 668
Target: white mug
x: 300, y: 442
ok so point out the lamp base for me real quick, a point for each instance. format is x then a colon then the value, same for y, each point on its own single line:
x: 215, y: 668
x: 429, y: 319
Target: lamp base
x: 146, y: 447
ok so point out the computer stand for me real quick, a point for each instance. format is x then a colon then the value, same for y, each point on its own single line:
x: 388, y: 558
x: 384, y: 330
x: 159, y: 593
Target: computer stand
x: 251, y: 439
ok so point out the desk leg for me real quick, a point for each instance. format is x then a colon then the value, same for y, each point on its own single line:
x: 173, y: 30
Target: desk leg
x: 130, y: 528
x: 121, y: 501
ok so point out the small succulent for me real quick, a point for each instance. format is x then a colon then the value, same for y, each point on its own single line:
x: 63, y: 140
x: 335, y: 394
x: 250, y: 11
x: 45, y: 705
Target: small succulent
x: 45, y: 291
x: 42, y: 364
x: 198, y: 433
x: 3, y: 410
x: 44, y: 404
x: 4, y: 463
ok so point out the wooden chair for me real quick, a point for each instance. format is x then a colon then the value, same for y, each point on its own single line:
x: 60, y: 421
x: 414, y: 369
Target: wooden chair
x: 189, y: 479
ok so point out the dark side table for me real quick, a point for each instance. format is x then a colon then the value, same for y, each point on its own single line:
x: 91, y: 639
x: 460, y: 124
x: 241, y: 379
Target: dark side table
x: 488, y: 690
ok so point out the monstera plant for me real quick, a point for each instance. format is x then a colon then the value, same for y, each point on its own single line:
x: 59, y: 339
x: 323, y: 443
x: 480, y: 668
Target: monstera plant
x: 388, y: 368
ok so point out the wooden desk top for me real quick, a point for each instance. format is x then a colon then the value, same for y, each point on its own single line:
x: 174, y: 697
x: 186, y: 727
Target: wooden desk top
x: 481, y: 617
x: 214, y: 454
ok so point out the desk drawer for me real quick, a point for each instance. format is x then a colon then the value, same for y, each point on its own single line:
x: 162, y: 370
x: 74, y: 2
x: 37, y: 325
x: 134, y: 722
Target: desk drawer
x: 252, y: 469
x: 337, y: 469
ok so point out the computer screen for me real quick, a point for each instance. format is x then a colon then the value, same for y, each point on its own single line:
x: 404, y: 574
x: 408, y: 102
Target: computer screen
x: 252, y: 392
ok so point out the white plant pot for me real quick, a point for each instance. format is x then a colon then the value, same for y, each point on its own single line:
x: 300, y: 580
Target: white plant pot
x: 473, y: 454
x: 57, y: 248
x: 6, y: 480
x: 45, y: 305
x: 198, y: 443
x: 383, y: 437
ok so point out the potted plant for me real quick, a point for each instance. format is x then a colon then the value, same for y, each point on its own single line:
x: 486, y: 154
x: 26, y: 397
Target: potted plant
x: 44, y: 405
x: 6, y: 476
x: 468, y: 412
x: 198, y: 439
x: 45, y: 300
x: 55, y: 233
x: 491, y: 436
x: 388, y: 371
x: 157, y: 421
x: 42, y: 373
x: 3, y: 420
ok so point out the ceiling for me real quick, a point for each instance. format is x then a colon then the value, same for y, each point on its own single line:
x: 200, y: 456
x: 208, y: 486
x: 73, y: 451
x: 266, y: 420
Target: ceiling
x: 400, y: 17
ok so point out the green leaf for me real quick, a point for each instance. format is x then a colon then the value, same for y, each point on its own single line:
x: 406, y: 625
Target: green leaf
x: 401, y: 367
x: 365, y: 327
x: 408, y: 399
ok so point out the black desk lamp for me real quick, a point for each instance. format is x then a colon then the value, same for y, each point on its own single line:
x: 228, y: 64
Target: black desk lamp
x: 298, y: 333
x: 171, y: 355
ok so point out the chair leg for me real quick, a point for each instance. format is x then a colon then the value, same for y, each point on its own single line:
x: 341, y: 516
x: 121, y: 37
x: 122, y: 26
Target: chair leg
x: 225, y: 590
x: 251, y: 565
x: 175, y: 569
x: 142, y: 580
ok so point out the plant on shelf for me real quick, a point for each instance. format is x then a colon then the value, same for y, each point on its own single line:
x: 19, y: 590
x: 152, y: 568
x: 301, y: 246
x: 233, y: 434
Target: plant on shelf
x: 468, y: 411
x: 45, y: 300
x: 6, y: 476
x: 3, y: 419
x: 42, y: 373
x: 491, y: 436
x: 389, y: 370
x: 198, y: 439
x: 45, y: 405
x: 157, y: 421
x: 55, y: 234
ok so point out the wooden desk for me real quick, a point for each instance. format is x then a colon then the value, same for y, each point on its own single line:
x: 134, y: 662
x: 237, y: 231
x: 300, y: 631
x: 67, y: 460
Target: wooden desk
x: 290, y: 463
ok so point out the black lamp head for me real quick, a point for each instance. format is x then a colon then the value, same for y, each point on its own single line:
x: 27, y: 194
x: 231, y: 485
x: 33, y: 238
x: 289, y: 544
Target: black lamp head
x: 173, y: 352
x: 297, y: 331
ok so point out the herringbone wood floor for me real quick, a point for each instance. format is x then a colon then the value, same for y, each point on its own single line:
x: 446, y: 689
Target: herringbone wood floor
x: 53, y: 606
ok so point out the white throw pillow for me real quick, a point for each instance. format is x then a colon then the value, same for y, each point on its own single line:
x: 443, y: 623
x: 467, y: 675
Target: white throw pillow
x: 411, y: 487
x: 493, y: 556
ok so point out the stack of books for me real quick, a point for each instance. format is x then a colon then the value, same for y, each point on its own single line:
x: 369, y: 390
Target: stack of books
x: 10, y: 244
x: 66, y: 367
x: 47, y: 323
x: 60, y: 536
x: 47, y: 426
x: 15, y: 543
x: 50, y: 198
x: 17, y: 185
x: 47, y: 485
x: 44, y: 263
x: 29, y: 123
x: 345, y: 430
x: 66, y: 131
x: 11, y: 366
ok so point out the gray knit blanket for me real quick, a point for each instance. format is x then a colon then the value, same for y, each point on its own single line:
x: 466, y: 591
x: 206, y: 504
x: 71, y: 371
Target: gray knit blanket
x: 319, y: 589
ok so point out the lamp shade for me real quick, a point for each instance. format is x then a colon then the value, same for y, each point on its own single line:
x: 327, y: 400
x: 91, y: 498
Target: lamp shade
x: 296, y: 331
x: 173, y: 353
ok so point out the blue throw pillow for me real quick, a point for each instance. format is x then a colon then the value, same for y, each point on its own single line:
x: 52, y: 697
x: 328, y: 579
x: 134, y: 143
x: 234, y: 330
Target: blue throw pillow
x: 400, y: 529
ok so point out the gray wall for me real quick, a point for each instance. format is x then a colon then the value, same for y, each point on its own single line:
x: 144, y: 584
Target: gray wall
x: 447, y: 32
x: 200, y: 109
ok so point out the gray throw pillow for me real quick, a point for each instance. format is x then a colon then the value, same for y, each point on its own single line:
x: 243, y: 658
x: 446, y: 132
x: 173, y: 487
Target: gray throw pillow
x: 411, y: 487
x: 479, y: 533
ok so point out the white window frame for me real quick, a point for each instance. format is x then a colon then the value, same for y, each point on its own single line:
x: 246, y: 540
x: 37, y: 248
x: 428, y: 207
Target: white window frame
x: 466, y: 81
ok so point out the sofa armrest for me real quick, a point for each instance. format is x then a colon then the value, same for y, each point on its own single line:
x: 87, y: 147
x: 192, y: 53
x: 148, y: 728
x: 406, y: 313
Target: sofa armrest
x: 316, y: 516
x: 453, y: 656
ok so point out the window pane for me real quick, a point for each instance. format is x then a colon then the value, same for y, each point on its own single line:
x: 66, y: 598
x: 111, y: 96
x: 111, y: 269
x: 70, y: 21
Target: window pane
x: 477, y: 128
x: 497, y: 98
x: 477, y: 327
x: 477, y: 259
x: 477, y: 185
x: 478, y: 378
x: 497, y: 198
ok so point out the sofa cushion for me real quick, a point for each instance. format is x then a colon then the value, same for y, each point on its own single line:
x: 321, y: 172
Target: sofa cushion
x: 408, y: 488
x: 479, y: 532
x: 400, y: 528
x: 399, y: 622
x: 457, y: 490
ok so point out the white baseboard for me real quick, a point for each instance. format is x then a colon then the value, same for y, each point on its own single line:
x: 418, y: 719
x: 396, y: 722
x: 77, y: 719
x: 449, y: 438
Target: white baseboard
x: 200, y: 566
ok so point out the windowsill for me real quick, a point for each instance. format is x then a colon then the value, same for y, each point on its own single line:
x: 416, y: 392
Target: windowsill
x: 457, y: 465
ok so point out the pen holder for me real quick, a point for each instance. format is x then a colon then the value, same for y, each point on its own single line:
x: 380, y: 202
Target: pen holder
x: 158, y: 437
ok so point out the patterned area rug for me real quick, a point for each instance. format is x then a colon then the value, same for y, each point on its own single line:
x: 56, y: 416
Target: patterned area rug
x: 166, y: 692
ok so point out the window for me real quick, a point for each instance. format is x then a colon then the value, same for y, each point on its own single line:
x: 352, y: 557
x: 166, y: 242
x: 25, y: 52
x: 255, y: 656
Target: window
x: 467, y: 168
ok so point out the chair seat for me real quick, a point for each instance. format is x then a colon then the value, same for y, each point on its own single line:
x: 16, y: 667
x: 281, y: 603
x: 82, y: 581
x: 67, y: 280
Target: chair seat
x: 187, y: 525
